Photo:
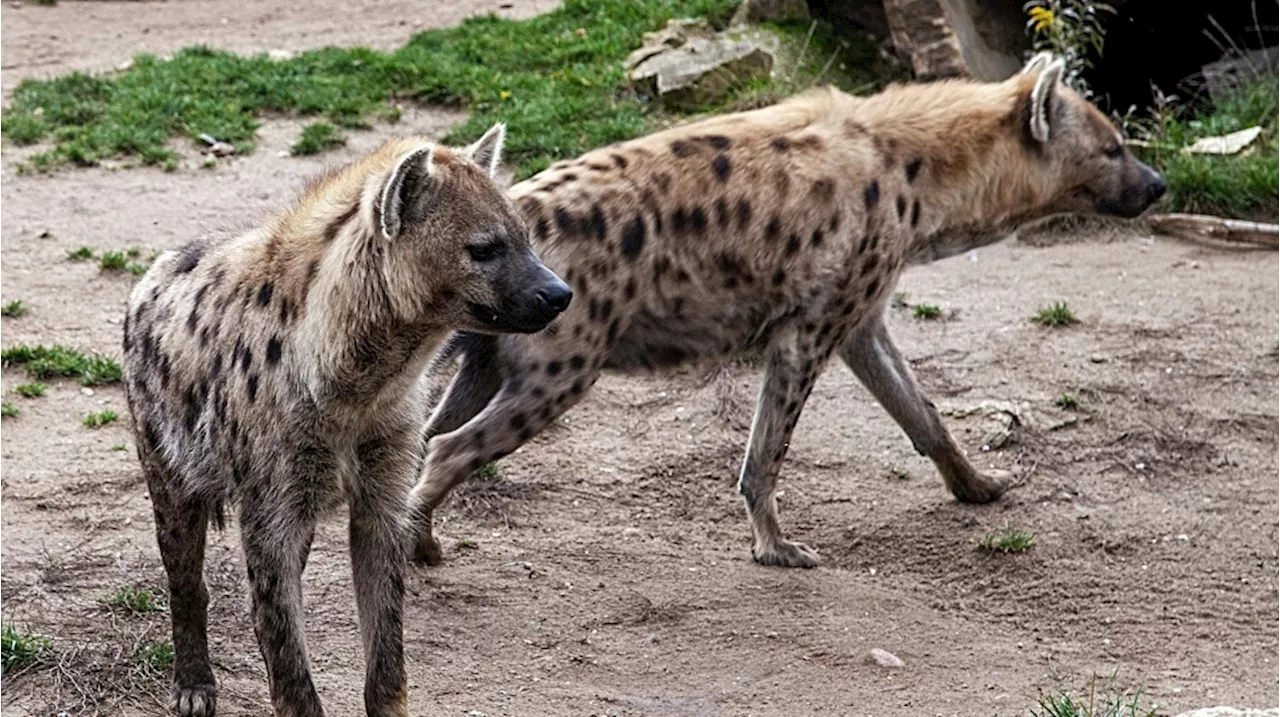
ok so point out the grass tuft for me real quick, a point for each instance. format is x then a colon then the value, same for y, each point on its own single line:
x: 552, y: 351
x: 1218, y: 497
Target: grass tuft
x: 1068, y: 401
x: 926, y: 311
x: 134, y: 600
x: 100, y: 419
x: 54, y: 361
x: 20, y: 650
x: 13, y: 309
x: 1007, y: 540
x: 1055, y: 315
x: 316, y: 138
x: 1111, y: 702
x: 8, y: 410
x: 80, y: 253
x: 154, y: 657
x: 556, y: 79
x: 35, y: 389
x: 490, y: 471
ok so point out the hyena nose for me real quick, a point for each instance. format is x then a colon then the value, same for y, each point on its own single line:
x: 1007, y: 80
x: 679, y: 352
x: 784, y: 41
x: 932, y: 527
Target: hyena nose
x: 1156, y: 189
x: 555, y: 296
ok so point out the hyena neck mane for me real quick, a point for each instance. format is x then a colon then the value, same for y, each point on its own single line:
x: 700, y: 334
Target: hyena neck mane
x: 366, y: 338
x: 966, y: 151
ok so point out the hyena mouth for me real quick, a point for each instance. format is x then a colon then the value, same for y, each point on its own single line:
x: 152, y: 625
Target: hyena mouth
x: 504, y: 321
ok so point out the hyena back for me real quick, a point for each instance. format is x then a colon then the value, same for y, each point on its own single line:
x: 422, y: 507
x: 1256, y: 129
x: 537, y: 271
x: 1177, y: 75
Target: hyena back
x: 280, y: 370
x: 782, y: 229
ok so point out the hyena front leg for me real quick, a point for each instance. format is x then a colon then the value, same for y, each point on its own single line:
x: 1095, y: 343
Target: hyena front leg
x: 876, y: 362
x: 378, y: 531
x: 276, y: 530
x: 181, y: 526
x: 793, y: 365
x: 522, y: 408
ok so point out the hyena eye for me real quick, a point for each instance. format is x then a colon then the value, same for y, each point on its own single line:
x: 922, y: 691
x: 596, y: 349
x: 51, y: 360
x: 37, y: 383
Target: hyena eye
x: 486, y: 252
x: 1114, y: 150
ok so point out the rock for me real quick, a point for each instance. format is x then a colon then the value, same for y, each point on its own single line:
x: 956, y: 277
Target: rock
x: 221, y: 149
x: 884, y: 658
x: 757, y: 11
x: 700, y: 70
x: 1231, y: 712
x: 675, y: 34
x: 951, y: 38
x: 924, y: 38
x: 1225, y: 76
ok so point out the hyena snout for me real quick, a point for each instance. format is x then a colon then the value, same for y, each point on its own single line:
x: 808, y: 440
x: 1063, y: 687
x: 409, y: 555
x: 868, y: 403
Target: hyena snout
x: 549, y: 297
x: 529, y: 297
x: 1137, y: 195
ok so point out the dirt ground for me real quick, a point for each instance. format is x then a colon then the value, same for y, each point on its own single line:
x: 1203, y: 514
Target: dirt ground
x: 607, y: 570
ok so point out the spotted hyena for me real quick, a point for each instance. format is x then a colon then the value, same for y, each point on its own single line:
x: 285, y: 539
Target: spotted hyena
x: 783, y: 230
x: 280, y: 370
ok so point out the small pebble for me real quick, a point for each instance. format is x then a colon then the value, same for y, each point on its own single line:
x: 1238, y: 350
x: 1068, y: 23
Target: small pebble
x: 87, y: 391
x: 1098, y: 358
x: 884, y: 658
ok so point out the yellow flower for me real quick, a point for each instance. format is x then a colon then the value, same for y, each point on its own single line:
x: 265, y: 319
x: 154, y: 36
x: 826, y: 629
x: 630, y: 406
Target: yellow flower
x: 1042, y: 16
x: 504, y: 94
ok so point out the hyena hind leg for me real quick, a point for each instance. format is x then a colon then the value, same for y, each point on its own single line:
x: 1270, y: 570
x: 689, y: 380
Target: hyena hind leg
x: 181, y: 527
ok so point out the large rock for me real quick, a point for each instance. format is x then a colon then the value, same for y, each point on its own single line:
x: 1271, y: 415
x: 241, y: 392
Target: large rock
x: 949, y: 38
x: 924, y: 38
x: 684, y: 67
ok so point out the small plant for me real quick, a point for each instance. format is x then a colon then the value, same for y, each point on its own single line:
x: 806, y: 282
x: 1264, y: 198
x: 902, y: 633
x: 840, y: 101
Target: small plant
x: 80, y: 254
x: 899, y: 300
x: 1068, y: 401
x: 316, y: 138
x: 13, y: 309
x: 1057, y: 314
x: 926, y: 311
x: 34, y: 389
x: 467, y: 544
x: 113, y: 261
x: 8, y: 410
x: 1007, y: 540
x: 491, y: 471
x: 20, y: 650
x: 134, y: 600
x: 1113, y: 703
x: 120, y: 447
x: 1070, y: 29
x: 155, y: 657
x: 43, y: 362
x: 100, y: 419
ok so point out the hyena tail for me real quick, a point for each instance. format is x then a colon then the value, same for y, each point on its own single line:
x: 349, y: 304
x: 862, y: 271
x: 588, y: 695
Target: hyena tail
x: 476, y: 383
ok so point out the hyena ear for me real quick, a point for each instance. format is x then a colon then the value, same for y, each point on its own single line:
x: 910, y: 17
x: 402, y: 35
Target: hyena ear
x: 413, y: 176
x: 1037, y: 62
x: 487, y: 151
x: 1042, y: 99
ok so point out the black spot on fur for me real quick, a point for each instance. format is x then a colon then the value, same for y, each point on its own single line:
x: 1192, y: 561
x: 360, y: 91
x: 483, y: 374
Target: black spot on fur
x: 274, y: 349
x: 216, y: 368
x: 913, y: 169
x: 553, y: 368
x: 612, y: 334
x: 744, y: 213
x: 264, y: 294
x: 780, y: 144
x: 253, y: 388
x: 680, y: 220
x: 598, y: 224
x: 793, y: 244
x: 246, y: 360
x: 566, y: 221
x: 779, y: 277
x: 729, y: 264
x: 870, y: 264
x: 871, y: 194
x: 663, y: 180
x: 834, y: 224
x: 816, y: 239
x: 915, y: 213
x: 824, y: 190
x: 519, y: 421
x: 902, y: 206
x: 606, y: 309
x: 773, y: 229
x: 541, y: 228
x: 717, y: 141
x: 189, y: 256
x: 872, y: 288
x: 682, y: 149
x: 619, y: 160
x: 722, y: 213
x: 577, y: 362
x: 698, y: 220
x: 722, y: 167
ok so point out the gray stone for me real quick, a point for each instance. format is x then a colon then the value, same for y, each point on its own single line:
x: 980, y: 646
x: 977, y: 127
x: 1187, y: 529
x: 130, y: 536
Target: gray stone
x: 677, y: 32
x: 951, y: 38
x: 700, y: 70
x: 884, y: 658
x: 757, y: 11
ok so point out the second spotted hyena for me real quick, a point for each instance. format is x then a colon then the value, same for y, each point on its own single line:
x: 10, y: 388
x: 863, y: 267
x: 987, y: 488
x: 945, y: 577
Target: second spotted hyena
x: 281, y: 369
x: 782, y: 229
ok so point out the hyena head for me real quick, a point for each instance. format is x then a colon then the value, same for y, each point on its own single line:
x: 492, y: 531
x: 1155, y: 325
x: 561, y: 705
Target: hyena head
x: 1089, y: 167
x: 457, y: 247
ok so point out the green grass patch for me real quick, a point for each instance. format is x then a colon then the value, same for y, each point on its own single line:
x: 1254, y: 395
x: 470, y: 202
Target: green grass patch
x: 19, y: 650
x: 80, y: 253
x: 13, y: 309
x: 1246, y: 184
x: 113, y: 261
x: 101, y: 418
x: 1055, y: 315
x: 556, y: 79
x: 134, y: 600
x: 1007, y: 540
x: 8, y: 410
x: 926, y: 311
x: 44, y: 362
x: 155, y: 657
x: 316, y: 138
x: 1068, y: 401
x: 34, y: 389
x: 120, y: 447
x: 1101, y: 701
x: 490, y: 471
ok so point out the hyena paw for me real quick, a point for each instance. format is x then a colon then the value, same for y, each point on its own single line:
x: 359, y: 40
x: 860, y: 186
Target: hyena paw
x: 786, y: 554
x: 427, y: 550
x: 194, y: 701
x: 983, y: 487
